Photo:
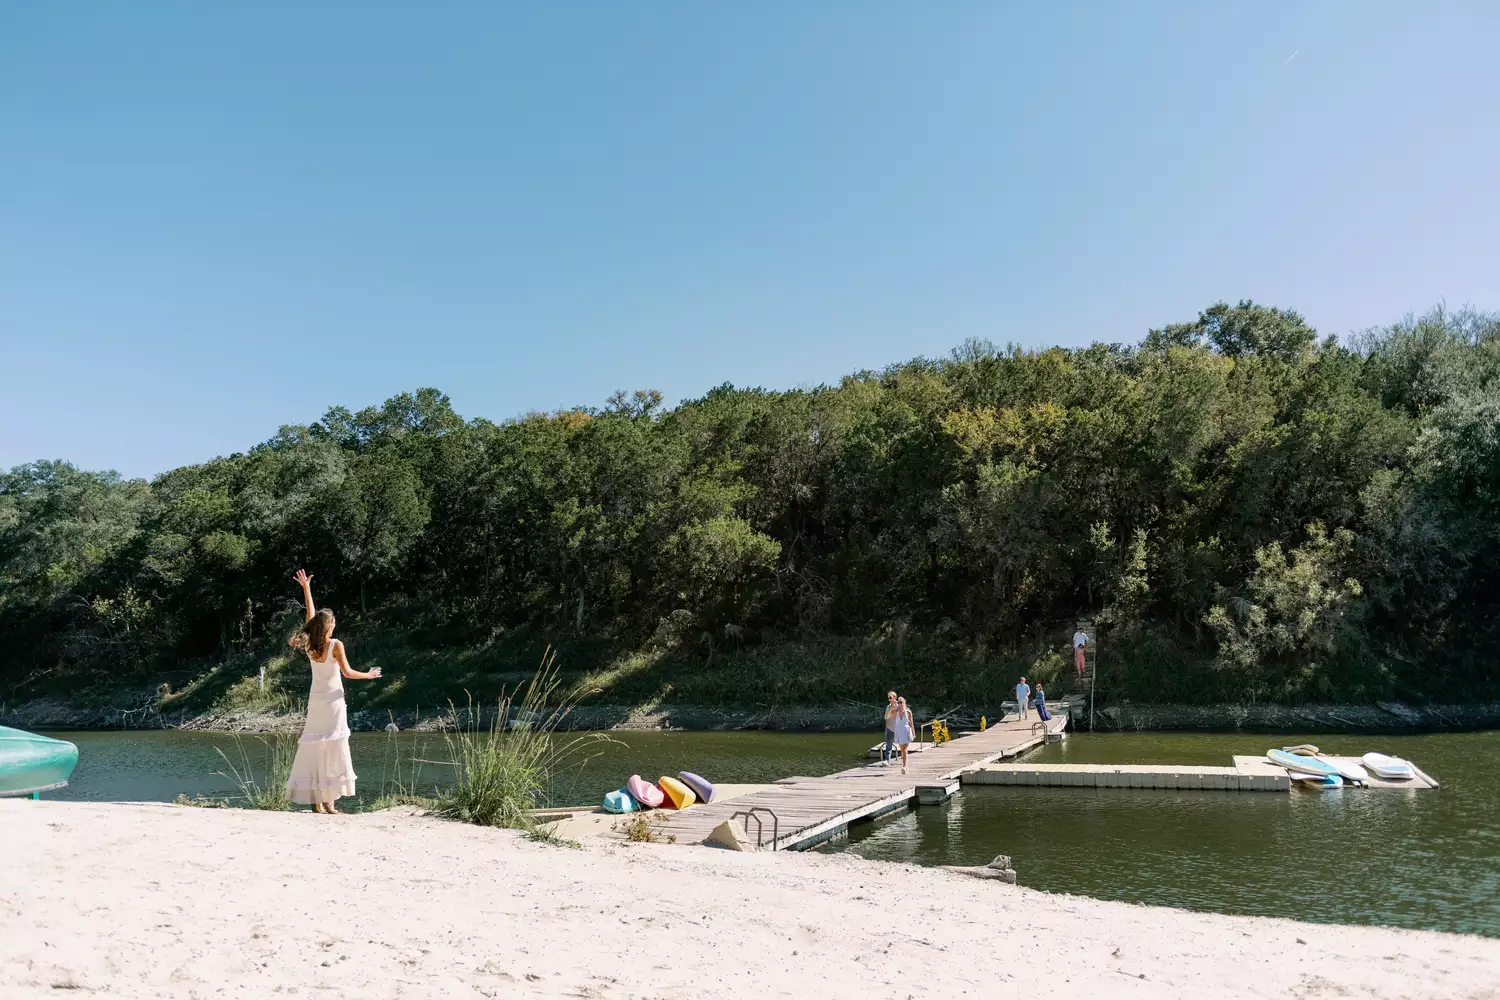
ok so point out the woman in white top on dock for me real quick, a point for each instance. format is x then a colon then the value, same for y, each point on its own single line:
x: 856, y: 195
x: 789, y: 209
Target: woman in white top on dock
x: 903, y: 728
x: 323, y: 771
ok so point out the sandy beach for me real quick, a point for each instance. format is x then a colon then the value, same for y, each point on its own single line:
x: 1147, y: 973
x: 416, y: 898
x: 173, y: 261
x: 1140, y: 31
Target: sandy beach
x: 161, y: 901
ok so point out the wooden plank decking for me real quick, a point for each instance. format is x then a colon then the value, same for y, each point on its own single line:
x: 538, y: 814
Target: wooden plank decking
x: 810, y: 811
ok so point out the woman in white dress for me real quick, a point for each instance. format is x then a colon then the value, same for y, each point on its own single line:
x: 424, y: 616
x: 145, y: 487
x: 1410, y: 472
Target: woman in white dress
x: 323, y: 771
x: 904, y: 729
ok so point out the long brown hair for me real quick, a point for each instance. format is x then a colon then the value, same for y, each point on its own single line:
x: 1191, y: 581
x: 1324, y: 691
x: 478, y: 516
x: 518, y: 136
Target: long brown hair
x: 312, y: 638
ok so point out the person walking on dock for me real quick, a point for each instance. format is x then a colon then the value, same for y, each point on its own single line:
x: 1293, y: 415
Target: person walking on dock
x: 904, y: 729
x: 1023, y: 697
x: 1080, y: 640
x: 1041, y: 703
x: 889, y: 750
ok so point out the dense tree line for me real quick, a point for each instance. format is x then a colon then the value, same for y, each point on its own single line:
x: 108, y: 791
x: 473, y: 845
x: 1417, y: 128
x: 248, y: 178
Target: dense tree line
x: 1267, y: 514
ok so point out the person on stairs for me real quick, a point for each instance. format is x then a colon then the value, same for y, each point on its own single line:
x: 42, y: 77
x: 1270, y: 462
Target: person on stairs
x: 1080, y: 640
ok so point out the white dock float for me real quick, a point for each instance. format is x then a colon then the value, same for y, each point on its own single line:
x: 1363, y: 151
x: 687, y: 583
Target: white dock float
x: 1249, y: 774
x: 1173, y: 776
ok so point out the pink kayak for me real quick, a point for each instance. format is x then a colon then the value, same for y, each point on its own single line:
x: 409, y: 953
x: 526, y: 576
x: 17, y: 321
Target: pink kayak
x: 644, y: 792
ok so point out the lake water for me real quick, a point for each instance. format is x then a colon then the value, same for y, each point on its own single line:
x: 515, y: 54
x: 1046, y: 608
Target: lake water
x: 1425, y: 859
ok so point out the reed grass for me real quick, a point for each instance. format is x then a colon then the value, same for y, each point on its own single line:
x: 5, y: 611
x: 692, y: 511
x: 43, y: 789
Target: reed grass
x: 506, y: 768
x: 270, y: 792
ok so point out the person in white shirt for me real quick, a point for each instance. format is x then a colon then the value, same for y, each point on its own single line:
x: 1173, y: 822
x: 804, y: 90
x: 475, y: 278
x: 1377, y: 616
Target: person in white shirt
x: 1023, y: 696
x: 1080, y: 640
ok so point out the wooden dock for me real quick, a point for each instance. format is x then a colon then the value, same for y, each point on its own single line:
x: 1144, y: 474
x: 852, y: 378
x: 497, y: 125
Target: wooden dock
x: 799, y: 812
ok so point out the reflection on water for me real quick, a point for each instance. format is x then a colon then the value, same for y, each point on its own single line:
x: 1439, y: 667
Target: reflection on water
x: 1426, y: 859
x: 1417, y: 859
x: 160, y: 765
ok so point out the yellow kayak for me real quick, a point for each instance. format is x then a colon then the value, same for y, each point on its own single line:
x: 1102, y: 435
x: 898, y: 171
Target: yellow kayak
x: 678, y: 794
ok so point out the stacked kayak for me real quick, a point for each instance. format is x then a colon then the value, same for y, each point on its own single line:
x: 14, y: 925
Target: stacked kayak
x: 644, y: 792
x: 676, y: 793
x: 702, y: 787
x: 680, y: 795
x: 30, y: 763
x: 620, y: 802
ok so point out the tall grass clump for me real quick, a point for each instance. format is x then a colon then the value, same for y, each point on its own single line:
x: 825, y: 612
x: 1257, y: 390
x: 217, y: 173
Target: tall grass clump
x: 269, y: 792
x: 505, y: 769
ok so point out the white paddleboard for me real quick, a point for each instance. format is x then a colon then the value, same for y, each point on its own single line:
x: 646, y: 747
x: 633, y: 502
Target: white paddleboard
x: 1350, y: 771
x: 1388, y: 767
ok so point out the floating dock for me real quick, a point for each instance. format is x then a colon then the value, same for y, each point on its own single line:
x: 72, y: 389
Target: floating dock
x: 1249, y: 774
x: 799, y: 812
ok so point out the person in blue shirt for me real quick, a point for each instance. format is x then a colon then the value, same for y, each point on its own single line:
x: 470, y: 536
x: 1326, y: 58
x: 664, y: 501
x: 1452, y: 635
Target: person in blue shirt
x: 1023, y: 697
x: 1041, y: 703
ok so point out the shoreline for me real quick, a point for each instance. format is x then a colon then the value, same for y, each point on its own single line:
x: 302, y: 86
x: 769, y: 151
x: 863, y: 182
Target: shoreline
x: 1381, y: 717
x: 158, y: 901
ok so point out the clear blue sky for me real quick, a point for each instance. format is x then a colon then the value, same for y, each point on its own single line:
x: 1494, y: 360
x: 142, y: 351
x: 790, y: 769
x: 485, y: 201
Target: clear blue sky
x: 216, y: 219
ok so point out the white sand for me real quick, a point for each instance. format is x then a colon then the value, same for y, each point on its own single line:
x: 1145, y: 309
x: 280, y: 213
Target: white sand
x: 160, y: 901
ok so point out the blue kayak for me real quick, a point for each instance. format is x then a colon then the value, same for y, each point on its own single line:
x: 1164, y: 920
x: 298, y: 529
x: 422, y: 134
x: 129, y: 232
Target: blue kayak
x: 30, y: 763
x: 620, y: 801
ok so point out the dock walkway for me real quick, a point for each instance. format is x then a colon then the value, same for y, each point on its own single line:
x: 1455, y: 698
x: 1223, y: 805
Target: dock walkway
x: 811, y: 811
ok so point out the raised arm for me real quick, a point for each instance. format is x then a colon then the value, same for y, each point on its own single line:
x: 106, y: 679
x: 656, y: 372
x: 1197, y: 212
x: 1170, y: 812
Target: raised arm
x: 348, y: 671
x: 306, y: 582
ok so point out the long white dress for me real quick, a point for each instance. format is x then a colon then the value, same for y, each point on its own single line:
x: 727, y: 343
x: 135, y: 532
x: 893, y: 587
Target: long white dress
x: 323, y: 770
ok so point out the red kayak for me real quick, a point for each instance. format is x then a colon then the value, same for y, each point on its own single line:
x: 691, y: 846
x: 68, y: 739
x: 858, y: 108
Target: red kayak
x: 645, y: 792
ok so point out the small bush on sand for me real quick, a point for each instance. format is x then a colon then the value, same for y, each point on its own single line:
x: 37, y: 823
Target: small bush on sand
x: 201, y: 802
x: 645, y: 828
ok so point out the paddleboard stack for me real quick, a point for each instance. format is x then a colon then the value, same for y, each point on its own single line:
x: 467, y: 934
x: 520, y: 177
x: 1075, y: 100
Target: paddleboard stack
x: 1305, y: 764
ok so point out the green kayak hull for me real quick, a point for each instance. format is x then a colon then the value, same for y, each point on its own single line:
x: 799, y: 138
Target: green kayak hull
x: 30, y: 763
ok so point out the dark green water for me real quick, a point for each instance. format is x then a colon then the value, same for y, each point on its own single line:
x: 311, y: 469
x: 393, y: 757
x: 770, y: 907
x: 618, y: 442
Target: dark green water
x: 1426, y: 859
x: 158, y: 766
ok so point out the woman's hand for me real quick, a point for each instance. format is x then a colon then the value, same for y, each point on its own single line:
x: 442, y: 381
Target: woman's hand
x: 303, y: 578
x: 373, y: 673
